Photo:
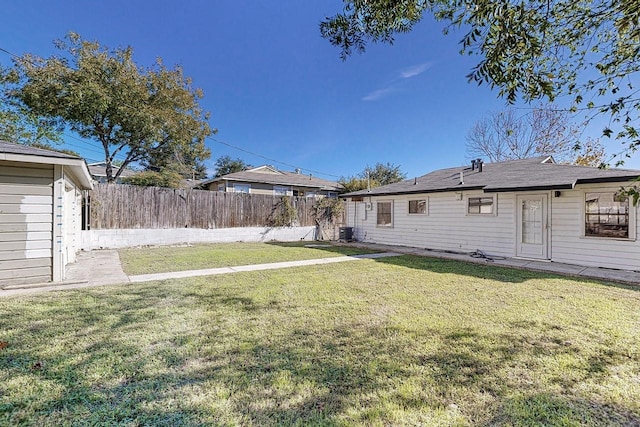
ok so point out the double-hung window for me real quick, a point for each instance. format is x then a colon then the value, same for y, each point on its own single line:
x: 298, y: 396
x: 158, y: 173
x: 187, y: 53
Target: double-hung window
x: 384, y: 214
x: 606, y: 215
x: 418, y: 207
x: 480, y: 206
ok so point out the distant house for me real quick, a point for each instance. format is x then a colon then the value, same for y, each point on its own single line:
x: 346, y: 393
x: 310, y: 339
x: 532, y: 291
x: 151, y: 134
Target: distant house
x: 532, y: 208
x: 99, y: 172
x: 40, y: 213
x: 269, y: 180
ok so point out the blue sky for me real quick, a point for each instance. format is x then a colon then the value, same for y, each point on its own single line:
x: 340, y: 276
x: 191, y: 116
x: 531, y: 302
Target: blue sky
x: 276, y: 88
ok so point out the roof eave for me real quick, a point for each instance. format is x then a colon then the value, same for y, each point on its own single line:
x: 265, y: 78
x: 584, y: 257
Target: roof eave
x: 78, y: 167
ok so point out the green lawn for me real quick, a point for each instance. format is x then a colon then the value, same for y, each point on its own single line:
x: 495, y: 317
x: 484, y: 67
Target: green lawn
x: 395, y: 341
x: 179, y: 258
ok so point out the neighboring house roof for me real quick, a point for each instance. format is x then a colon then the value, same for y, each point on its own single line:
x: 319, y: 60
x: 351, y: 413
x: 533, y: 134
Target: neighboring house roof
x: 23, y: 153
x: 100, y: 169
x: 269, y: 175
x: 541, y: 173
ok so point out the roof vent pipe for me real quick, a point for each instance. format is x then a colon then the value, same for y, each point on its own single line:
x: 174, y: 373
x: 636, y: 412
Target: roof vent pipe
x: 461, y: 177
x: 473, y: 164
x: 480, y: 163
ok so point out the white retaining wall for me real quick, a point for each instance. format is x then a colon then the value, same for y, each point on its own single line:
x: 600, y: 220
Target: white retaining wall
x: 111, y: 239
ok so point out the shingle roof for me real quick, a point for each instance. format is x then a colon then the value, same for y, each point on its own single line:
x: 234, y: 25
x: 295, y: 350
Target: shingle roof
x: 539, y: 173
x: 281, y: 178
x: 100, y: 169
x: 11, y: 148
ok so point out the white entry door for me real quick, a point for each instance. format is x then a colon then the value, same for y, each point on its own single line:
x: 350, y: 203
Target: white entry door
x: 532, y: 226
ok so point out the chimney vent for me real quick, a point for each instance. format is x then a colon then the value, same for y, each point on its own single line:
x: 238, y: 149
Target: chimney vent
x: 473, y: 164
x: 461, y: 177
x: 480, y: 163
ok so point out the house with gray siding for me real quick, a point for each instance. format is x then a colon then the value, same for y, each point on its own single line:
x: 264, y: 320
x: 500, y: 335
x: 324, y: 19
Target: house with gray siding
x: 41, y: 195
x: 269, y: 180
x: 530, y: 208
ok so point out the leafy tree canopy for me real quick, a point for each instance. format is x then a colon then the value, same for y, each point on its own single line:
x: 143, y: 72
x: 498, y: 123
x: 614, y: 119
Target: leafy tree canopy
x: 104, y: 95
x: 529, y: 49
x: 373, y: 176
x: 226, y: 165
x: 164, y: 178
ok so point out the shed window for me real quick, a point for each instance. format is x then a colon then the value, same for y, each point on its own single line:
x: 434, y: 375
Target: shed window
x: 606, y: 215
x: 418, y: 207
x: 480, y: 205
x: 384, y: 214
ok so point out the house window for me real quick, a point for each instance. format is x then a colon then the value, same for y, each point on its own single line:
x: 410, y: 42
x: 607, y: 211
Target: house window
x: 310, y: 194
x: 418, y: 207
x: 221, y: 187
x: 332, y: 195
x: 242, y: 188
x: 606, y: 215
x: 480, y: 205
x: 385, y: 214
x: 279, y: 191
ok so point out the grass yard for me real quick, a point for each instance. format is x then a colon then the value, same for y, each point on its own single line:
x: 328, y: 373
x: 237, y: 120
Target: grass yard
x: 395, y: 341
x: 163, y: 259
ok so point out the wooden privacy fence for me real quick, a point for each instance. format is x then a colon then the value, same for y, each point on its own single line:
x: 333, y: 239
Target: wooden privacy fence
x: 113, y: 206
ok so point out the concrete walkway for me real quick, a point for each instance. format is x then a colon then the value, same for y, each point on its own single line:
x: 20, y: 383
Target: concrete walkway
x: 101, y: 268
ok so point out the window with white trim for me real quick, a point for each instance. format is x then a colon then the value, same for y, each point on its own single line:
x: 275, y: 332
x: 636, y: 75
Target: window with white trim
x: 418, y: 207
x: 384, y: 214
x: 279, y: 190
x: 242, y: 188
x: 606, y: 214
x: 480, y: 206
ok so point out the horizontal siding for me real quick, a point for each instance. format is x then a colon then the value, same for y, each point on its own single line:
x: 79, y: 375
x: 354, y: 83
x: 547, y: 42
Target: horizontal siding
x: 26, y: 223
x: 569, y: 243
x: 445, y: 227
x: 26, y: 190
x: 25, y: 254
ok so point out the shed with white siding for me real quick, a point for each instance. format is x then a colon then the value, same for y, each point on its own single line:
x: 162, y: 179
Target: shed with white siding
x: 530, y: 208
x: 40, y: 213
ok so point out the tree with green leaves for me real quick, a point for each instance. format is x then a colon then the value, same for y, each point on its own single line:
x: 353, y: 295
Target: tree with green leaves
x: 529, y: 50
x: 226, y: 165
x: 373, y: 176
x: 105, y: 96
x: 20, y: 126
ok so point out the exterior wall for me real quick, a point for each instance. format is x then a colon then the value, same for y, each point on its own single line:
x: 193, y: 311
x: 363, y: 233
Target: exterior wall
x: 72, y: 221
x: 108, y: 239
x: 569, y: 243
x: 26, y: 223
x: 445, y: 227
x: 448, y: 227
x: 261, y: 188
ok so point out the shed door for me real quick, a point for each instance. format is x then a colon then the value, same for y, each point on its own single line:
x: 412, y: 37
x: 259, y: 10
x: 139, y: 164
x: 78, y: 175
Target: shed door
x: 532, y: 239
